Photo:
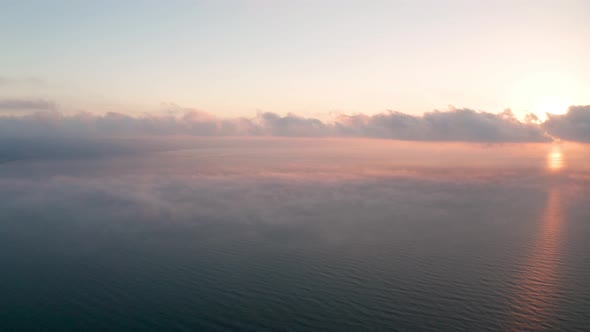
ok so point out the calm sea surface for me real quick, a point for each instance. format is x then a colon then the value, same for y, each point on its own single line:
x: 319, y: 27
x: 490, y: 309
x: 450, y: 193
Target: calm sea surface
x: 297, y: 234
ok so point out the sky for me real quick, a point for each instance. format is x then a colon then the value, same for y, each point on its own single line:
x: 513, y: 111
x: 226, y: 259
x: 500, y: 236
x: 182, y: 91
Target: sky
x: 311, y: 58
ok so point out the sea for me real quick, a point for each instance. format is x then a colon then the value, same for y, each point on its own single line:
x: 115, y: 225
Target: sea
x: 294, y: 234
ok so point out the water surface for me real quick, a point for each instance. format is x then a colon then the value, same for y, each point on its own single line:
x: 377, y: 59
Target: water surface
x: 297, y: 234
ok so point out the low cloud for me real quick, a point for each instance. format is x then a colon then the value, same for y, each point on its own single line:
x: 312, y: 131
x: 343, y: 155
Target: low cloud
x: 572, y: 126
x: 454, y: 125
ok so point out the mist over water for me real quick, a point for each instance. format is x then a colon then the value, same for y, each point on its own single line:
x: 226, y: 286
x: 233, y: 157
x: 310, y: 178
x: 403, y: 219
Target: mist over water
x: 296, y: 234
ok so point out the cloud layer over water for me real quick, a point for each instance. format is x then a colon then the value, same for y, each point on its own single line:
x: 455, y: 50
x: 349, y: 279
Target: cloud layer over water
x: 462, y: 125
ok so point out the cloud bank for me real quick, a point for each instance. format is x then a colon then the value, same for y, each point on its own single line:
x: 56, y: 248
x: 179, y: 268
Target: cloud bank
x: 463, y: 125
x: 572, y: 126
x: 454, y: 125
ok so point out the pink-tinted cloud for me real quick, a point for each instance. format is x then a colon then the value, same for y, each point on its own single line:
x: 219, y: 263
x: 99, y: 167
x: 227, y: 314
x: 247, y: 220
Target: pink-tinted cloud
x: 573, y: 126
x: 454, y: 125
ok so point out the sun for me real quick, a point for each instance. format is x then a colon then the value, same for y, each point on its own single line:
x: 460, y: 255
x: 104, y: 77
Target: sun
x: 549, y: 104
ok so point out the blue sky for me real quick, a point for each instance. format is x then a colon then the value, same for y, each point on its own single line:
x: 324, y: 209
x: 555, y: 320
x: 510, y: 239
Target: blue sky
x: 308, y: 57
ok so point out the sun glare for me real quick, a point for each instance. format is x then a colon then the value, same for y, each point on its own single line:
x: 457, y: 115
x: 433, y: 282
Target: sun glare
x: 551, y: 105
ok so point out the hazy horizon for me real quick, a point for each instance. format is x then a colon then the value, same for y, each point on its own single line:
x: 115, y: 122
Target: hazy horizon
x: 258, y: 165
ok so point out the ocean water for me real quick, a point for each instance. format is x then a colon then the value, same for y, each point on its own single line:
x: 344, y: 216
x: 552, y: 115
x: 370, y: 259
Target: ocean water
x: 296, y: 235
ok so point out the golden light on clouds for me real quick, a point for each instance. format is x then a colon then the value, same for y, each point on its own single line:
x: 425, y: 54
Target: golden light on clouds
x: 551, y: 105
x: 544, y: 92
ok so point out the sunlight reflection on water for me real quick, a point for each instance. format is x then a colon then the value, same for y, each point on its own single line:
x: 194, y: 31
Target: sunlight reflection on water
x: 555, y: 161
x: 537, y: 292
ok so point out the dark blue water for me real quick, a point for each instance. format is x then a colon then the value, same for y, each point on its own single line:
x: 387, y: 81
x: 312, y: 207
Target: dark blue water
x: 216, y: 240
